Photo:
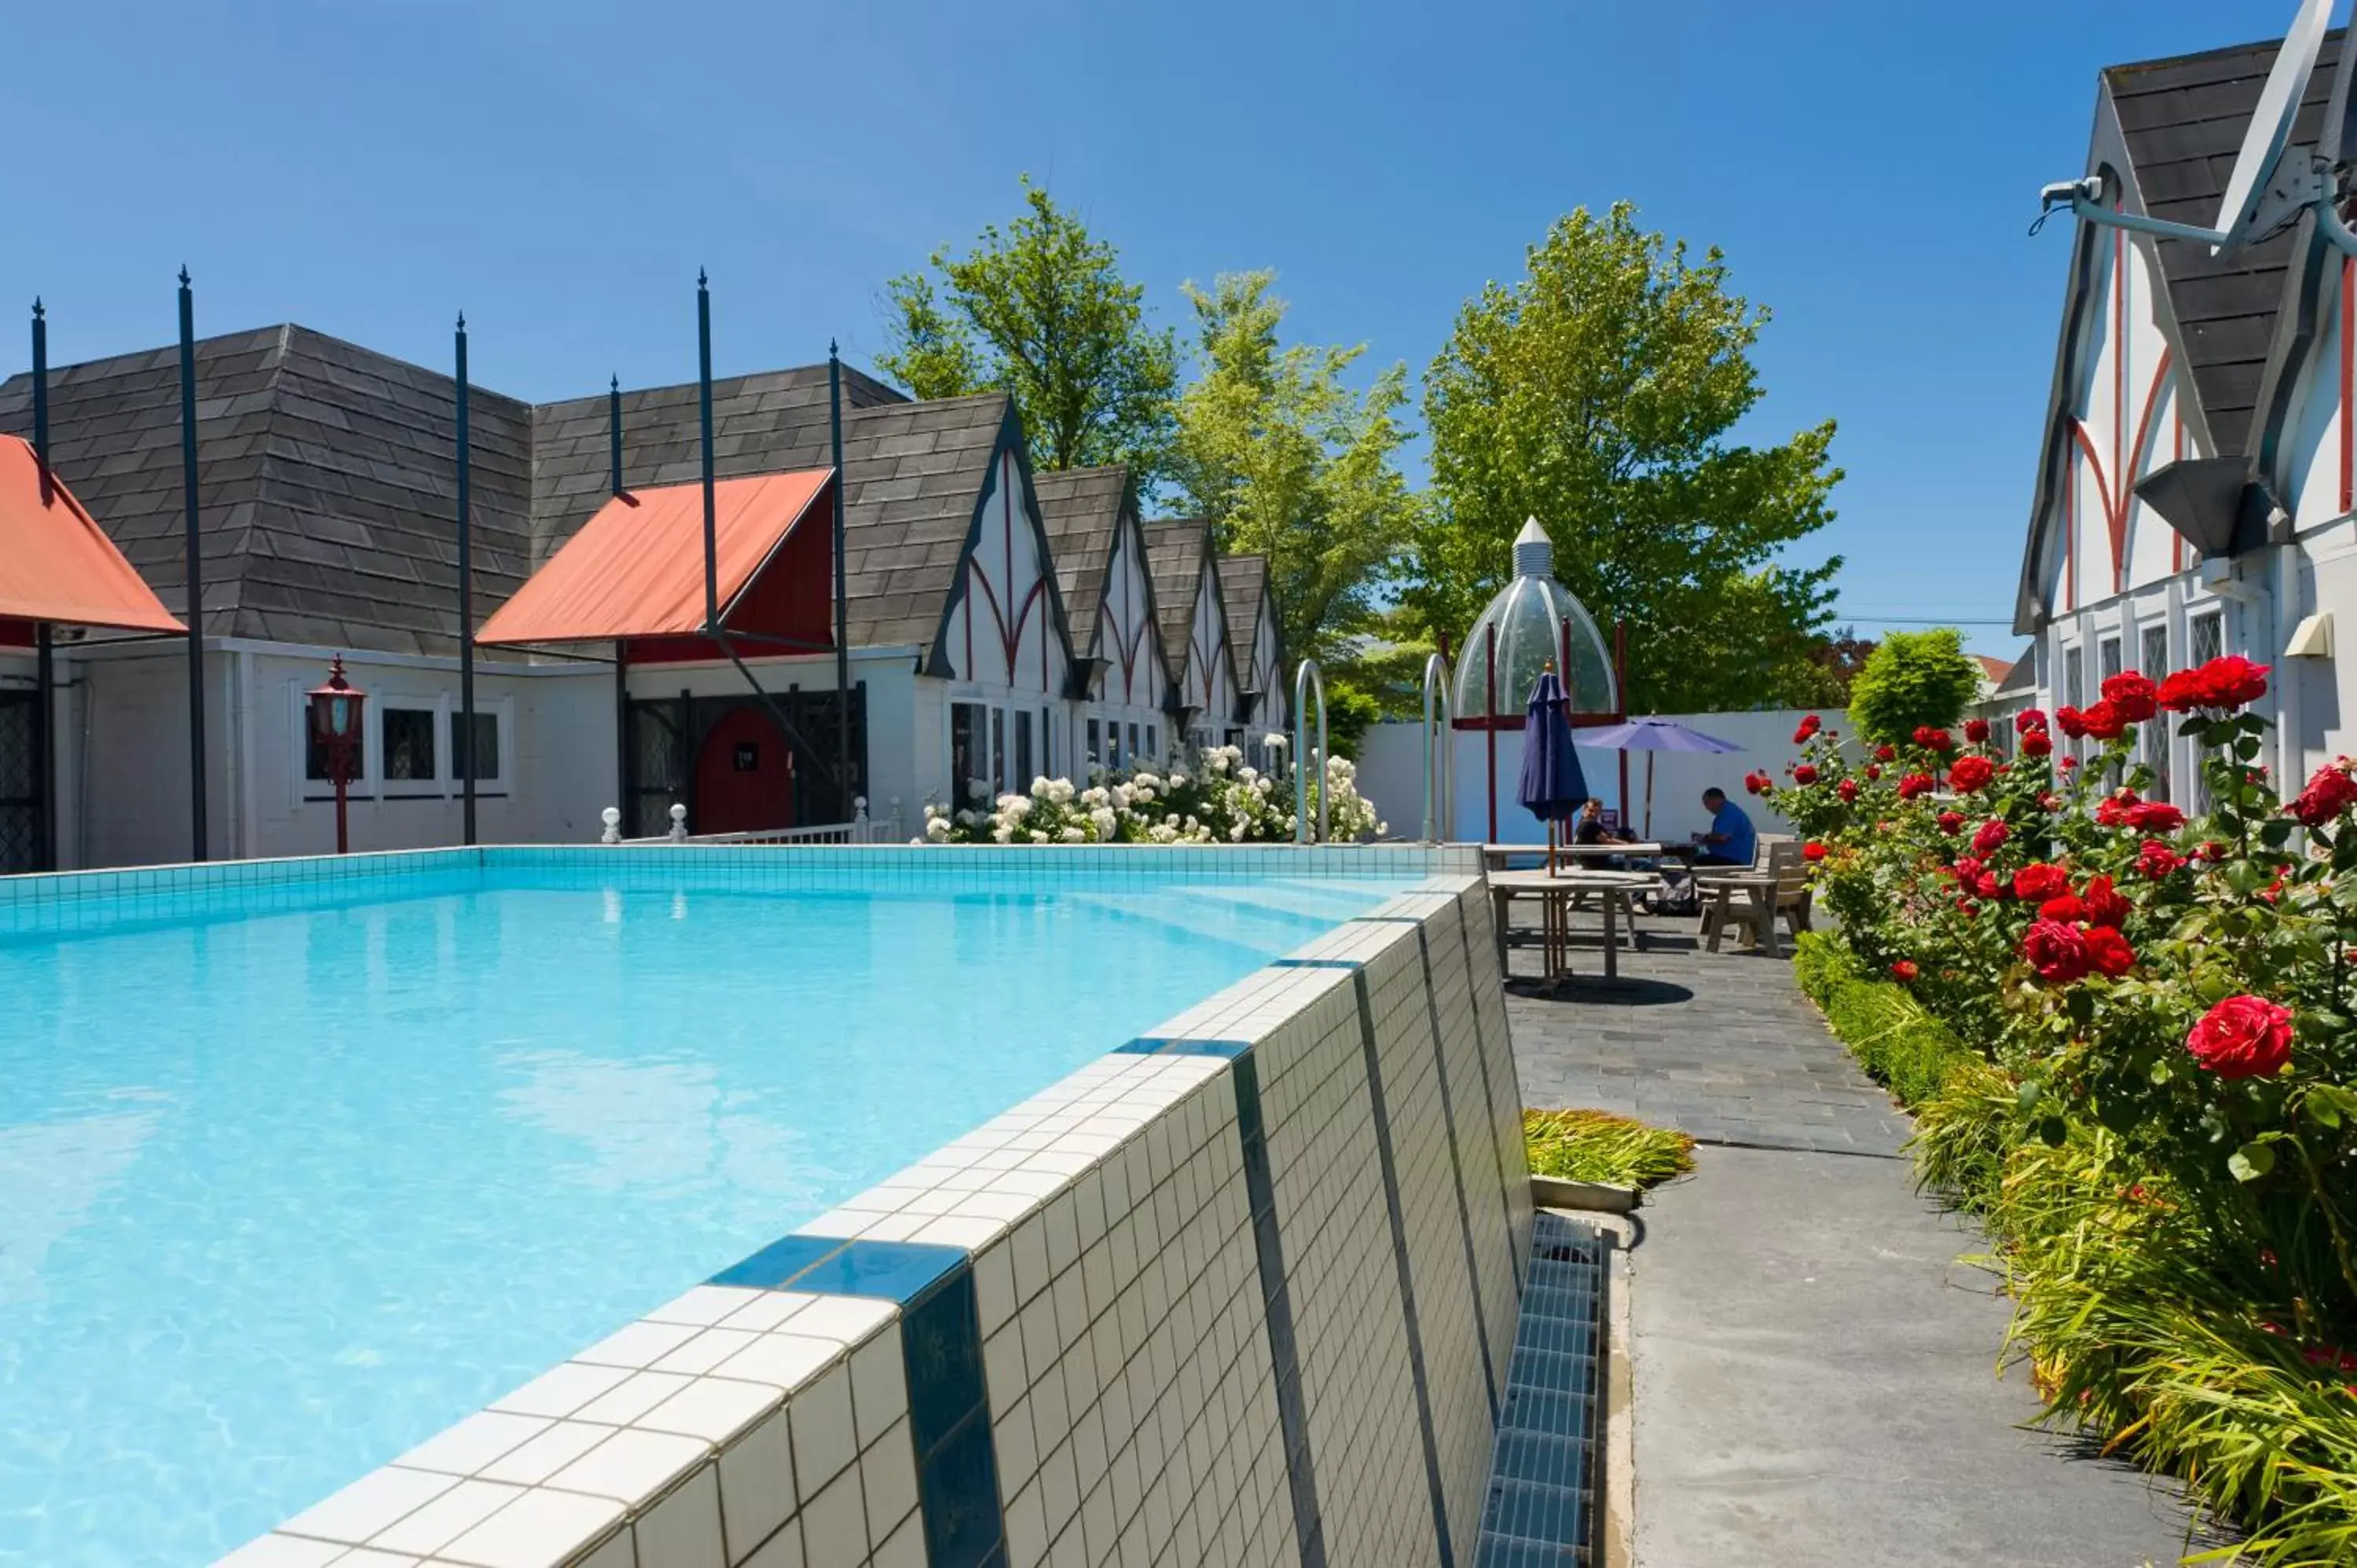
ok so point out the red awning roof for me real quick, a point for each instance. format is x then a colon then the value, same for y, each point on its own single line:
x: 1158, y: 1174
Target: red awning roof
x: 57, y: 564
x: 635, y: 569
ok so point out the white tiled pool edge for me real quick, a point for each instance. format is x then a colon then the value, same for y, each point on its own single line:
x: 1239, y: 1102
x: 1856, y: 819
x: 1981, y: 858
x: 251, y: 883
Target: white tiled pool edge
x: 1238, y: 1293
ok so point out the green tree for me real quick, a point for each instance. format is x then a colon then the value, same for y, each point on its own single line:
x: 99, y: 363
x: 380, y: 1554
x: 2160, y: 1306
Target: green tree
x: 1041, y: 311
x: 1913, y: 678
x: 1595, y: 394
x: 1288, y: 463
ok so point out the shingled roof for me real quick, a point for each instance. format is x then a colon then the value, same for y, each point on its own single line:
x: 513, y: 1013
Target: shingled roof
x: 327, y: 484
x: 1175, y: 548
x: 327, y: 481
x: 1083, y: 511
x: 1244, y: 592
x: 2183, y: 120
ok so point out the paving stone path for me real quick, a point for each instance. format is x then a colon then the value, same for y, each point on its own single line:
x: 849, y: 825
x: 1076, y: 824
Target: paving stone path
x: 1817, y: 1370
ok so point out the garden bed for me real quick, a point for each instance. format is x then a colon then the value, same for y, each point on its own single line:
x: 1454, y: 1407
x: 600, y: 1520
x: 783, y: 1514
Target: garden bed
x: 2123, y: 1034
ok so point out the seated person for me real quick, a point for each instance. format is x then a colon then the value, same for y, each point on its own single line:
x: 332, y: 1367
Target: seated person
x: 1731, y: 840
x: 1591, y: 828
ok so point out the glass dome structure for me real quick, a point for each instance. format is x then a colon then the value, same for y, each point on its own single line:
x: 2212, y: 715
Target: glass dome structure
x: 1528, y: 616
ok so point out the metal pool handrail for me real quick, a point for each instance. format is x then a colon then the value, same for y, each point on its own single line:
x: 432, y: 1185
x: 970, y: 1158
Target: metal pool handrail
x: 1307, y: 680
x: 1440, y: 785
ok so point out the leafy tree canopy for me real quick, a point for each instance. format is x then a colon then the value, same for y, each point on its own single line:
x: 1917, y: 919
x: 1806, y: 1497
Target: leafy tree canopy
x: 1041, y: 311
x: 1289, y: 463
x: 1912, y: 679
x: 1597, y: 393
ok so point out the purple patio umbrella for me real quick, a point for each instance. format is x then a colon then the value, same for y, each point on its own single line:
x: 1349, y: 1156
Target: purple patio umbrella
x: 1553, y: 788
x: 1652, y: 735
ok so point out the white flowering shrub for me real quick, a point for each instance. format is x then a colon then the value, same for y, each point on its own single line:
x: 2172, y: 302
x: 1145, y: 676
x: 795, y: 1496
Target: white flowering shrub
x: 1221, y: 799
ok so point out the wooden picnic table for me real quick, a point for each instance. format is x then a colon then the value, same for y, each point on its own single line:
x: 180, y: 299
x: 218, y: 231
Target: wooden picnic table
x: 1555, y: 891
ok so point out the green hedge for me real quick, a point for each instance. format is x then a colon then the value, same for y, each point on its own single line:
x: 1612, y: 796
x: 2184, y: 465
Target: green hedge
x: 1893, y: 1037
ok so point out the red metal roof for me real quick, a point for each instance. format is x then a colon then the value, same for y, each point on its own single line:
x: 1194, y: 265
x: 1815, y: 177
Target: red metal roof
x: 57, y: 564
x: 635, y: 569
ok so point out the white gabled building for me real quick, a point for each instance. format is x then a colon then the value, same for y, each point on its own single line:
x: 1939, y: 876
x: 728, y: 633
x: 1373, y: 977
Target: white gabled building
x: 1122, y: 711
x: 2194, y: 488
x: 1194, y: 621
x: 1256, y: 643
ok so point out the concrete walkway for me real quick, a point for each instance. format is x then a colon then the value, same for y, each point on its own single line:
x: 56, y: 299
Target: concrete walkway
x: 1816, y: 1371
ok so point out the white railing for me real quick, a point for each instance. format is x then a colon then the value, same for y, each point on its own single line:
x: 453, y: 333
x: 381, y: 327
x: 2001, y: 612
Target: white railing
x: 861, y: 829
x: 1309, y: 681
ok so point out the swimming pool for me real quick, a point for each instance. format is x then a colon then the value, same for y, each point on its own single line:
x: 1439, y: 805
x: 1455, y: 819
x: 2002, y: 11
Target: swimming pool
x: 299, y: 1164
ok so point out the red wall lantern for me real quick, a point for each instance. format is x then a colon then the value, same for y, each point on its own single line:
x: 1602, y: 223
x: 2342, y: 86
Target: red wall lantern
x: 336, y: 729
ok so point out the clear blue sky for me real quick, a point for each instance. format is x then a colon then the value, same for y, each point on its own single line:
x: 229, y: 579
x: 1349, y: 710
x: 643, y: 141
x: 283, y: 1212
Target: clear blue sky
x: 560, y: 171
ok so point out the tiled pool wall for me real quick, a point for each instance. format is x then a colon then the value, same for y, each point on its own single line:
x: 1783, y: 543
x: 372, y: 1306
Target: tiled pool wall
x: 56, y: 902
x: 1240, y: 1292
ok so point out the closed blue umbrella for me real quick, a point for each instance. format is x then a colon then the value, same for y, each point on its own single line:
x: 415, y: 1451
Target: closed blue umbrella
x: 1553, y: 787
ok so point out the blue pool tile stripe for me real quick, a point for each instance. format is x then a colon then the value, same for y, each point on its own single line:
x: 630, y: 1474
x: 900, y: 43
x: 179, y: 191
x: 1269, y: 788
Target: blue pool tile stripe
x: 1155, y: 1045
x: 1316, y: 963
x: 1284, y: 1348
x: 898, y: 1271
x: 1473, y: 978
x: 1385, y: 920
x: 1406, y: 1280
x: 1456, y: 1173
x: 948, y: 1425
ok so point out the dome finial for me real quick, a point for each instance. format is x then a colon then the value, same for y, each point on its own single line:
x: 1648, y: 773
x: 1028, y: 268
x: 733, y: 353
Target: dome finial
x: 1534, y: 551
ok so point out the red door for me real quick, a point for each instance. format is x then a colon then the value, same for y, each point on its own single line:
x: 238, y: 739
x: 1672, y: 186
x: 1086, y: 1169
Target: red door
x: 744, y: 776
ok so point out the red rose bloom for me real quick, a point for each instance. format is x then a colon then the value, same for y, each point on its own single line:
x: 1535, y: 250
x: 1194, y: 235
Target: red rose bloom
x: 1988, y: 886
x: 2155, y: 817
x: 1874, y: 770
x: 2107, y: 951
x: 1904, y: 971
x: 1751, y: 783
x: 2156, y: 860
x: 1805, y: 774
x: 2212, y: 851
x: 2029, y: 719
x: 1886, y: 752
x: 1952, y: 823
x: 1933, y: 739
x: 2242, y: 1036
x: 1846, y: 789
x: 2069, y: 763
x: 2102, y: 721
x: 2055, y: 952
x: 2066, y: 908
x: 1966, y: 867
x: 1976, y: 730
x: 2036, y: 743
x: 1813, y: 851
x: 1809, y: 726
x: 2036, y: 882
x: 1914, y: 784
x: 2329, y: 792
x: 1968, y: 774
x: 2073, y: 723
x: 2133, y: 696
x: 2105, y: 906
x: 1968, y: 908
x: 1991, y: 837
x: 2113, y: 809
x: 2227, y: 681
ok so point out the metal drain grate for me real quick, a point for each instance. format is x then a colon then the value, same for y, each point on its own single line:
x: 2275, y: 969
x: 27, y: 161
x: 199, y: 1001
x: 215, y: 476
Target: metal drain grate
x: 1542, y: 1502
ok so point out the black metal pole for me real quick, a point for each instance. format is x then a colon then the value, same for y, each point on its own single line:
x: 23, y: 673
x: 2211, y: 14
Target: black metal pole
x: 622, y: 648
x: 704, y: 399
x: 466, y: 595
x: 196, y: 607
x: 44, y: 667
x: 841, y: 641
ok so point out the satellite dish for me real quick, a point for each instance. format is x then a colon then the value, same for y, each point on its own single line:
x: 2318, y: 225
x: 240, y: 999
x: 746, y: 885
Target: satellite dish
x: 2270, y: 128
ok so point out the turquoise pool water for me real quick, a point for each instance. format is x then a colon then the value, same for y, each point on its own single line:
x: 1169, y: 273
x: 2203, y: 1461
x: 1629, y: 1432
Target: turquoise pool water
x: 284, y: 1192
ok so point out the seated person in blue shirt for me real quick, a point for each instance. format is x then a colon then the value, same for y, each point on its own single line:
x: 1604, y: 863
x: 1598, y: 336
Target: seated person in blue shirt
x: 1731, y: 840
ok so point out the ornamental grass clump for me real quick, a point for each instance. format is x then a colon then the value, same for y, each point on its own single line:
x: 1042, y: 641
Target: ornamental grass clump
x: 2126, y: 1032
x: 1598, y: 1146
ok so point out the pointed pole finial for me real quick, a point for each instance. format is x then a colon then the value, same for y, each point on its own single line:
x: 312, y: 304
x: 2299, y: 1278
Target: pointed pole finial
x: 462, y: 321
x: 614, y: 382
x: 183, y: 275
x: 830, y: 348
x: 37, y: 311
x: 701, y: 281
